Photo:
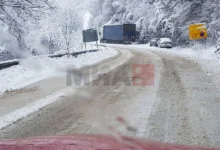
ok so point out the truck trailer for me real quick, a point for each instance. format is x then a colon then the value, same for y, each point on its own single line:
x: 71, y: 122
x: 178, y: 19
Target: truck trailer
x: 119, y: 33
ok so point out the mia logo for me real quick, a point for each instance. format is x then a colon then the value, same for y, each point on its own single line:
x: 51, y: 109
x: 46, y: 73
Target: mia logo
x: 134, y: 75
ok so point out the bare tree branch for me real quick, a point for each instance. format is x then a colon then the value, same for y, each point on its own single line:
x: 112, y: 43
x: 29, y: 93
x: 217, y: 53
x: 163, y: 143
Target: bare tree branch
x: 16, y: 13
x: 10, y: 16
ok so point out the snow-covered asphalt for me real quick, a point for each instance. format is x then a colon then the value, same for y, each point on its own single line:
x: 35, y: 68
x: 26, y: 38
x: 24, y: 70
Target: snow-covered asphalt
x: 181, y: 107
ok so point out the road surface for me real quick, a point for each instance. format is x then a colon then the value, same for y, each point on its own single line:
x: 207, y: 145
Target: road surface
x: 182, y: 106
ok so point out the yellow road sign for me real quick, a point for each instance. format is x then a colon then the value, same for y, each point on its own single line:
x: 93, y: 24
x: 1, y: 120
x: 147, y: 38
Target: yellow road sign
x: 198, y: 31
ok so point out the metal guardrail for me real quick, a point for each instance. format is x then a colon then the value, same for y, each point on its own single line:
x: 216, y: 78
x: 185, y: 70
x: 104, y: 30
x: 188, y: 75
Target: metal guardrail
x: 7, y: 64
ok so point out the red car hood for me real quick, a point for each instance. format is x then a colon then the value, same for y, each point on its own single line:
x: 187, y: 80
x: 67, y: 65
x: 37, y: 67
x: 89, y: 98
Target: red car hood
x: 86, y: 142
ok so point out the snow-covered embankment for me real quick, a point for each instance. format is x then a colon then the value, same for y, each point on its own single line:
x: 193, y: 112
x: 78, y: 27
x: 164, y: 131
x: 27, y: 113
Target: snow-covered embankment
x: 31, y: 70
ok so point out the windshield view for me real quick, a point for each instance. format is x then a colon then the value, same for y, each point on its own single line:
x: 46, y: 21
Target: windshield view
x: 109, y: 74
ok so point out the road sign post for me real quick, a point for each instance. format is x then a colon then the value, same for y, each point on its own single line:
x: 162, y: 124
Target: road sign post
x: 97, y: 45
x: 90, y: 35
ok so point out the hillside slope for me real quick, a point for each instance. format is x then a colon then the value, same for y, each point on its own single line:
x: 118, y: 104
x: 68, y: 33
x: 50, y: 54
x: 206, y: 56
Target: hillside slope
x: 157, y: 18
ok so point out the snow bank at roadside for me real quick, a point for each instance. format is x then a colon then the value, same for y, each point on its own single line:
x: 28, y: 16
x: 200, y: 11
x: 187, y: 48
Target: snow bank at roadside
x: 35, y: 69
x: 204, y: 56
x: 208, y: 60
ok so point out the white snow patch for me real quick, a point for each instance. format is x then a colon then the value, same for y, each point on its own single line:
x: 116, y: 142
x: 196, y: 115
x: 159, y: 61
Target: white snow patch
x: 9, y: 61
x: 162, y: 40
x: 2, y: 49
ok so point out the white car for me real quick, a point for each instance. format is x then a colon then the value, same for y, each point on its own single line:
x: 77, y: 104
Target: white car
x: 165, y: 43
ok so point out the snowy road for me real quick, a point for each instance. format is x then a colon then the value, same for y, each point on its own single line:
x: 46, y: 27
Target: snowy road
x: 182, y: 107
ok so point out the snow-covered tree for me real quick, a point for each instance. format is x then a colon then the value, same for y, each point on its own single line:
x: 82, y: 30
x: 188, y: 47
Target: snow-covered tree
x: 16, y: 14
x: 70, y: 22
